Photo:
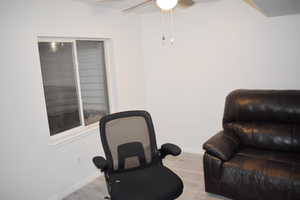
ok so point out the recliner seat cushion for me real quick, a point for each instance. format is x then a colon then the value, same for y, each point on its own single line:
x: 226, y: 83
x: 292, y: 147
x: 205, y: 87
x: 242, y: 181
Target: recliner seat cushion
x: 267, y: 164
x: 262, y: 175
x: 154, y: 182
x: 266, y: 135
x: 267, y: 119
x: 276, y: 106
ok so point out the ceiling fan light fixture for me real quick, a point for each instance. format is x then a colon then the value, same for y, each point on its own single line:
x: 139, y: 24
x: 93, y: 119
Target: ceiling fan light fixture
x: 166, y: 4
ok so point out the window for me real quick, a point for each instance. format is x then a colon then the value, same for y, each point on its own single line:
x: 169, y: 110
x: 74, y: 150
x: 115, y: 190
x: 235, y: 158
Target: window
x: 74, y: 80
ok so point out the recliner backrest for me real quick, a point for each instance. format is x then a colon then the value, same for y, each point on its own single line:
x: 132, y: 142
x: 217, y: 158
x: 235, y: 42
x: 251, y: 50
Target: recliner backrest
x: 128, y: 139
x: 268, y: 119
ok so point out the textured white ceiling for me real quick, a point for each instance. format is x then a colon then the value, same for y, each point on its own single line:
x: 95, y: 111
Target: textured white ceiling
x: 268, y: 7
x: 123, y: 4
x: 273, y: 8
x: 114, y: 4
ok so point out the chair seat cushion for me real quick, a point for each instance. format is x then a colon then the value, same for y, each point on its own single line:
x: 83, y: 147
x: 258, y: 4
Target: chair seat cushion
x: 154, y: 182
x: 262, y: 173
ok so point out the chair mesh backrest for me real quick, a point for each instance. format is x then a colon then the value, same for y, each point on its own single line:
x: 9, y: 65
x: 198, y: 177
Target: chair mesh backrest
x: 128, y: 139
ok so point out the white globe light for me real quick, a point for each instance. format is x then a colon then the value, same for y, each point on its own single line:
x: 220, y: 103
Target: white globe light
x: 166, y: 4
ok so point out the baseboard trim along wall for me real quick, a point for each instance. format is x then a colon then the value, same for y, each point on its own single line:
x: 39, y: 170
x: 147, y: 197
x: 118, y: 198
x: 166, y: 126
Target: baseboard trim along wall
x: 75, y: 187
x: 194, y: 150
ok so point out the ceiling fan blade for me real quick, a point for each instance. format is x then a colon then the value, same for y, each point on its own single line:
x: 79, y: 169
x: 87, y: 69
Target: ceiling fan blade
x: 138, y: 6
x: 186, y: 3
x: 251, y: 3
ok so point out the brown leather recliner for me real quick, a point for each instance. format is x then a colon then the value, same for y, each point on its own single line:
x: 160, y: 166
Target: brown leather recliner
x: 257, y: 155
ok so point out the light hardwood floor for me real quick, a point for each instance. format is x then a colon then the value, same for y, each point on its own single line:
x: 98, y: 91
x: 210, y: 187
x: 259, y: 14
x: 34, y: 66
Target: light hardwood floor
x: 188, y: 166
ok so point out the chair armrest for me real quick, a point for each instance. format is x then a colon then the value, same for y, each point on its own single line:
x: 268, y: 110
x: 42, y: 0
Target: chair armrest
x: 169, y: 149
x: 222, y: 145
x: 100, y: 163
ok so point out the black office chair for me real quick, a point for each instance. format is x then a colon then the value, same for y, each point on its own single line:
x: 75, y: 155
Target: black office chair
x: 134, y: 169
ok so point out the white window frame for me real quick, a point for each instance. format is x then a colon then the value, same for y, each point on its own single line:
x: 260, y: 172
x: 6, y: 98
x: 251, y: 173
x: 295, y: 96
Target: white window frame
x: 82, y: 130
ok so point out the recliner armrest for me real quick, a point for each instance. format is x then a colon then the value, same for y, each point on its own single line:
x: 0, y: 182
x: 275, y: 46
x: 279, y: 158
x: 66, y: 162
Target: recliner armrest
x: 100, y: 163
x: 222, y: 145
x: 169, y: 149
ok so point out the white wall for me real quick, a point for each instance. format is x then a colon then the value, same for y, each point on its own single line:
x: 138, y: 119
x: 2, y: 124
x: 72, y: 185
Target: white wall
x: 219, y: 46
x: 30, y: 167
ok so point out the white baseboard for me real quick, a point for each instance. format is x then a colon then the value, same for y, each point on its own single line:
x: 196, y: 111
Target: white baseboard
x: 193, y: 150
x: 75, y: 187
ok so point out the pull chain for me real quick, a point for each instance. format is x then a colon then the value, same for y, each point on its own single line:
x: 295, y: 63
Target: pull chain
x: 172, y: 39
x: 167, y: 27
x: 163, y: 28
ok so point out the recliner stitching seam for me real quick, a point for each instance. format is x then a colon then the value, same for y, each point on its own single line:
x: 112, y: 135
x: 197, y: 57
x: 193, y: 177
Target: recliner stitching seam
x: 239, y: 154
x: 293, y: 134
x: 252, y: 139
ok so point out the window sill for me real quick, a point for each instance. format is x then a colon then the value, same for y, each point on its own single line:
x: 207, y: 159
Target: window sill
x: 73, y: 134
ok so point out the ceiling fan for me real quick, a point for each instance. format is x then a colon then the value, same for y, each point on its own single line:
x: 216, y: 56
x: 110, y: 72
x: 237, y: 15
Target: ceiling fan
x: 165, y: 5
